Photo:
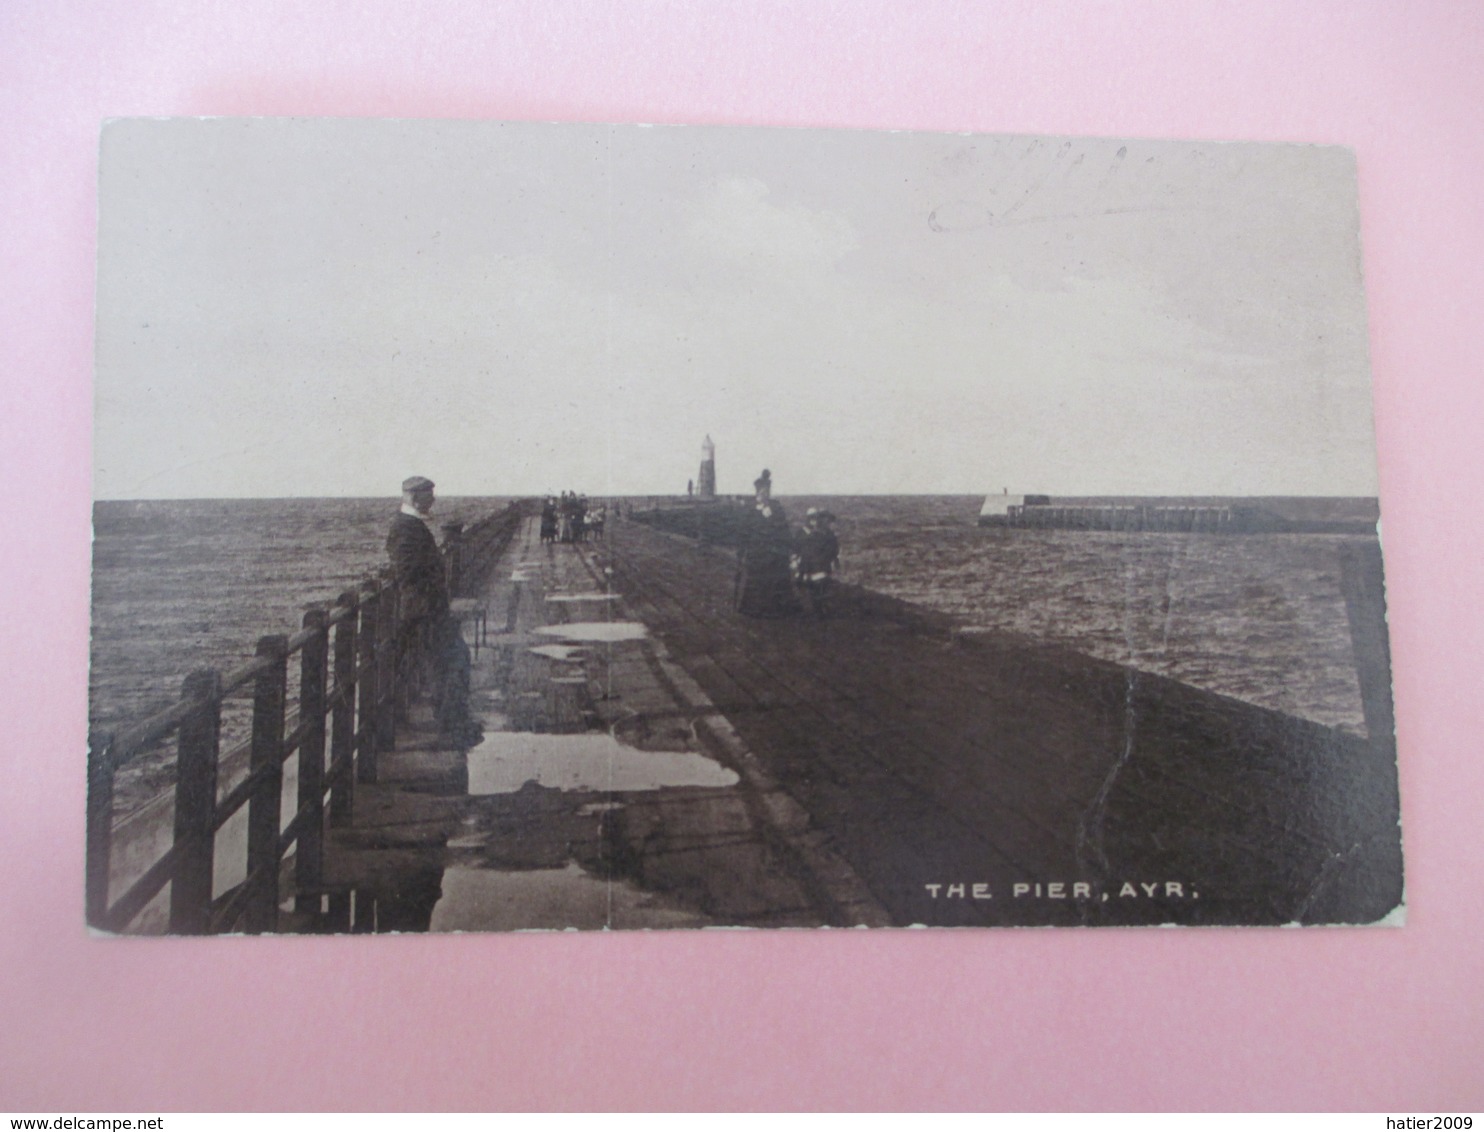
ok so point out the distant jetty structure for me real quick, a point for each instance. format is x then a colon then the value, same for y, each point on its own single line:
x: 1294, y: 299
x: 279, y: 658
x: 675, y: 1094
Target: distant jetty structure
x: 706, y: 481
x: 1180, y: 517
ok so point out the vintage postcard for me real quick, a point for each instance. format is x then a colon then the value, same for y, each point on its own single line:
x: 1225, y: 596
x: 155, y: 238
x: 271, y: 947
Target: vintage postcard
x: 508, y: 526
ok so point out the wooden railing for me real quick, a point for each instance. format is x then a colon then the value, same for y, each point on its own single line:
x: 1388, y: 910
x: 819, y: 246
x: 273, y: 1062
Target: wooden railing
x: 347, y: 699
x: 471, y: 553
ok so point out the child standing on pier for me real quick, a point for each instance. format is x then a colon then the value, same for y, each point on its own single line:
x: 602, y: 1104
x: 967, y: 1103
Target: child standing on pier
x: 818, y: 554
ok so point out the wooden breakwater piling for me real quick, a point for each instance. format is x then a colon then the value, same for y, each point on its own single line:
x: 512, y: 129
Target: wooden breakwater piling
x: 346, y: 694
x: 1043, y: 513
x: 1191, y: 520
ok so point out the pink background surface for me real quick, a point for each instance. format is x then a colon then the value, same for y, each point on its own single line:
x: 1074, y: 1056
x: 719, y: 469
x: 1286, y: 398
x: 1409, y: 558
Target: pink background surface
x: 1371, y: 1019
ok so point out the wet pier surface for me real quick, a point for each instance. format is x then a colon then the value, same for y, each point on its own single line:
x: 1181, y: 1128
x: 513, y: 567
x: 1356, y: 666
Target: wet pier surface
x: 607, y: 793
x: 652, y: 759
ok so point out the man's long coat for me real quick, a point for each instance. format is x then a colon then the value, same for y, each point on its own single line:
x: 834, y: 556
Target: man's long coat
x: 418, y: 568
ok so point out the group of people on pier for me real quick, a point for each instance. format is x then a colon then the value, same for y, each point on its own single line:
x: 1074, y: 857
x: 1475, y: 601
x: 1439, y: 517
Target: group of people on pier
x: 571, y: 519
x: 777, y: 565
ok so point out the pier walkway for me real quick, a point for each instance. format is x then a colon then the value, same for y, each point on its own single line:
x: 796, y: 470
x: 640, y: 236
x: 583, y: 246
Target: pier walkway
x: 608, y: 791
x: 932, y: 757
x: 652, y: 759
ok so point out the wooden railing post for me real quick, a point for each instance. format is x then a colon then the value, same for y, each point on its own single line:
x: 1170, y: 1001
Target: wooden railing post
x: 453, y: 555
x: 198, y: 745
x: 309, y: 852
x: 366, y: 689
x: 388, y: 626
x: 1363, y: 585
x: 264, y: 809
x: 343, y: 716
x: 100, y: 825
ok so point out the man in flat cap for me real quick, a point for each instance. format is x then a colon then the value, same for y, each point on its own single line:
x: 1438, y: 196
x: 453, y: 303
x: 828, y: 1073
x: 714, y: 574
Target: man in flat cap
x: 429, y: 637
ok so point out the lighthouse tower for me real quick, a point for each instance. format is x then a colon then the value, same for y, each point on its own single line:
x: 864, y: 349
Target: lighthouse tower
x: 706, y: 481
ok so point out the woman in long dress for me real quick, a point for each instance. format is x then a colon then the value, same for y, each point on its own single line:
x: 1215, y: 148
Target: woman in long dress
x: 764, y: 579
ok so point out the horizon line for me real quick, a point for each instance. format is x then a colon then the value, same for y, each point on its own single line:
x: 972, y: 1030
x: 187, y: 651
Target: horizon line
x: 745, y: 495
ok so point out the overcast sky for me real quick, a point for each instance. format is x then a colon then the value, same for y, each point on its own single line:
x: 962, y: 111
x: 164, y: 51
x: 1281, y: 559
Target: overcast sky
x: 323, y: 307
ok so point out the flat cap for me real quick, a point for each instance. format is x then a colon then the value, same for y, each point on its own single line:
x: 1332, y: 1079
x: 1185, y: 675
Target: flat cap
x: 417, y: 483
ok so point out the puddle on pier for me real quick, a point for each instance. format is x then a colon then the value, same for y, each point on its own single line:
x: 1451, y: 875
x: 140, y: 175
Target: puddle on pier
x: 572, y: 653
x: 597, y: 631
x: 485, y: 900
x: 592, y: 808
x: 506, y: 760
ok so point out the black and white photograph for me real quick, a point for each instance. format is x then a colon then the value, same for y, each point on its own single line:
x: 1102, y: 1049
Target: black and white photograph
x: 512, y: 526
